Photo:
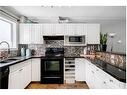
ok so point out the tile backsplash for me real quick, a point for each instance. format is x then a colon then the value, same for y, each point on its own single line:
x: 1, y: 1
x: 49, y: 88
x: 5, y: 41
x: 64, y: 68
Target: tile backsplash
x: 4, y: 54
x: 39, y: 49
x: 73, y: 51
x: 54, y: 43
x: 118, y: 60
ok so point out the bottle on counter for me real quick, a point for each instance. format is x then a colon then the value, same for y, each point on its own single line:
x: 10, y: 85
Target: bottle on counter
x: 85, y: 50
x: 28, y: 52
x: 22, y: 51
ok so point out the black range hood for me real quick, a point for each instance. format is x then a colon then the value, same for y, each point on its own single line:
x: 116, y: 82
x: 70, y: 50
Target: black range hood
x: 53, y: 37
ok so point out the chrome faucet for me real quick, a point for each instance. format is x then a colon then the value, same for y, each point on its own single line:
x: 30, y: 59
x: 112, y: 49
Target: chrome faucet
x: 8, y: 46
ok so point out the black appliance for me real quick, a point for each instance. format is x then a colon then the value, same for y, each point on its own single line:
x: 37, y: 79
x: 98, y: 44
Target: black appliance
x: 53, y: 37
x: 52, y: 66
x: 4, y: 73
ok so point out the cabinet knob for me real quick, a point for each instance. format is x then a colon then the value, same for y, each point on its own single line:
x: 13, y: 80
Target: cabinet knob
x: 97, y: 70
x: 111, y: 80
x: 104, y: 82
x: 93, y: 72
x: 20, y: 69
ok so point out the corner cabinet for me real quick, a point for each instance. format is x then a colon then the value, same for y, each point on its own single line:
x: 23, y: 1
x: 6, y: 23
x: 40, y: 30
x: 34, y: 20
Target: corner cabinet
x: 93, y: 33
x: 98, y: 79
x: 30, y: 34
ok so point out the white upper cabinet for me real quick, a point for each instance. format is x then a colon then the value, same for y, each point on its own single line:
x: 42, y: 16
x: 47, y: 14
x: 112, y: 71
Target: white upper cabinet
x: 36, y: 33
x: 31, y: 34
x: 53, y: 29
x: 93, y: 33
x: 69, y: 29
x: 64, y: 29
x: 80, y: 29
x: 24, y: 33
x: 75, y: 29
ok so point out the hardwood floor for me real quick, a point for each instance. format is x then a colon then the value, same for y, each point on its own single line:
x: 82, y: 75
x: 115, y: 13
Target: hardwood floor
x: 77, y: 85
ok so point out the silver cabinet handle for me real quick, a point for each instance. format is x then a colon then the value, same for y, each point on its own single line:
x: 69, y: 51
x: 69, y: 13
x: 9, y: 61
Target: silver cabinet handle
x: 92, y: 72
x: 111, y: 80
x: 20, y: 69
x: 104, y: 82
x: 97, y: 70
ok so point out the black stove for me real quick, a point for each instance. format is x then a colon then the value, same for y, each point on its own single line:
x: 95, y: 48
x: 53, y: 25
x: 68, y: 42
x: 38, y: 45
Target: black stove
x: 52, y: 66
x: 54, y: 52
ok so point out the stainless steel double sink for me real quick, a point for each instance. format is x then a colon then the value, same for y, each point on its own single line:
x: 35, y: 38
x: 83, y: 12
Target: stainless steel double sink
x: 8, y: 60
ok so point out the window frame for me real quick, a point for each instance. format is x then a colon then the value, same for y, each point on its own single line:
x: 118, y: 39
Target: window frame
x: 14, y: 44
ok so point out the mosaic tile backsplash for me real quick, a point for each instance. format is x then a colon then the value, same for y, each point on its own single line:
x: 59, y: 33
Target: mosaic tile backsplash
x: 69, y: 51
x: 114, y: 59
x: 4, y: 54
x: 39, y: 49
x: 54, y: 43
x: 73, y: 51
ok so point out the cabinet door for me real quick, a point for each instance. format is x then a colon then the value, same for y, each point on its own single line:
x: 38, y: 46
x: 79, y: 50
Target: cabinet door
x: 69, y: 29
x: 36, y: 69
x: 14, y: 80
x: 20, y: 78
x: 24, y: 33
x: 80, y: 29
x: 26, y: 74
x: 80, y: 69
x: 47, y: 29
x: 93, y: 33
x: 36, y: 34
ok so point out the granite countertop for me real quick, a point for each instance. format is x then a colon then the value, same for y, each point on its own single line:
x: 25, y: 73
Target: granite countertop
x: 19, y: 59
x: 118, y: 73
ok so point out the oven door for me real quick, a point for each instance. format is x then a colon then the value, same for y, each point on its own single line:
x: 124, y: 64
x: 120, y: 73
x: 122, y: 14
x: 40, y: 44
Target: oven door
x: 52, y: 71
x: 52, y: 67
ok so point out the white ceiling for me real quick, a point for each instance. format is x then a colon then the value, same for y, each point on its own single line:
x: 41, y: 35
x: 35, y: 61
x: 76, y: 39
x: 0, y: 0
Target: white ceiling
x: 41, y: 13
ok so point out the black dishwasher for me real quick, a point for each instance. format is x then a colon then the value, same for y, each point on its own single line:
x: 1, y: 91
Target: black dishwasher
x: 4, y: 73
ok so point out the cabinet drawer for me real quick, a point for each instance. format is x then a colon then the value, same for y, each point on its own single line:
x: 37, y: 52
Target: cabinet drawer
x: 18, y: 65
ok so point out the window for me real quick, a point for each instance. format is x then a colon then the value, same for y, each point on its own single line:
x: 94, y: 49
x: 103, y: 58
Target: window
x: 7, y: 32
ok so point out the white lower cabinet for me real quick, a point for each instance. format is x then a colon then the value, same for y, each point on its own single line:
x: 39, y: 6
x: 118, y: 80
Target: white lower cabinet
x: 14, y: 80
x: 20, y: 75
x: 36, y: 62
x: 98, y: 79
x: 80, y: 69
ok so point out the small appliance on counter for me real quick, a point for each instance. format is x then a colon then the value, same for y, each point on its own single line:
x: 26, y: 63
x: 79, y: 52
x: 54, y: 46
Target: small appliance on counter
x: 85, y: 51
x: 28, y: 52
x: 22, y: 51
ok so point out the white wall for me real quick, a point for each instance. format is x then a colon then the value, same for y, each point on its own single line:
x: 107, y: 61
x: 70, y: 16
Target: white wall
x: 118, y: 27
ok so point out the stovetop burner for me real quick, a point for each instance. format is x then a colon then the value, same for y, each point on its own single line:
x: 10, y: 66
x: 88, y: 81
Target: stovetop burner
x: 54, y: 52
